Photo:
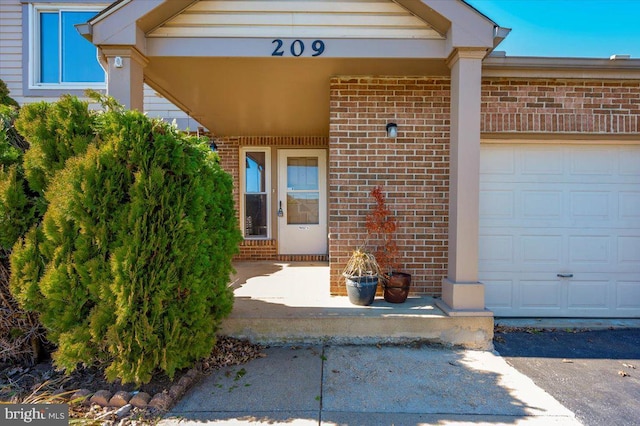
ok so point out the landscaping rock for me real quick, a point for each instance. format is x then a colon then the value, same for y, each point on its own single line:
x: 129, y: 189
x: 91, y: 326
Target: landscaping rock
x: 193, y: 373
x: 176, y: 391
x: 161, y: 401
x: 101, y: 398
x: 186, y: 381
x: 140, y: 400
x: 81, y: 396
x: 120, y: 399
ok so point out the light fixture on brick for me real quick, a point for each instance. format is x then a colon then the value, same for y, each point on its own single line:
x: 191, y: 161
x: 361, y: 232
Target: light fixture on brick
x: 392, y: 130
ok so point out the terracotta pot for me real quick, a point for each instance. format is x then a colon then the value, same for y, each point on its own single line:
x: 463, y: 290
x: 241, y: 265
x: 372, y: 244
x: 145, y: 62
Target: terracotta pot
x: 396, y: 289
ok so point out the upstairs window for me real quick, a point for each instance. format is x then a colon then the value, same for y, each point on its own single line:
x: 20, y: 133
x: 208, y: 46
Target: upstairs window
x: 60, y: 55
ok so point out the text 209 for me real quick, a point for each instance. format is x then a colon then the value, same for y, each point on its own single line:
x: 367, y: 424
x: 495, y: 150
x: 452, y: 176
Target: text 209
x: 296, y: 48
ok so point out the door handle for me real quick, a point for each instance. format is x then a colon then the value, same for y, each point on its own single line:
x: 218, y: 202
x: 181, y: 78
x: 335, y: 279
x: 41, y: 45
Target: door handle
x: 280, y: 212
x: 564, y: 275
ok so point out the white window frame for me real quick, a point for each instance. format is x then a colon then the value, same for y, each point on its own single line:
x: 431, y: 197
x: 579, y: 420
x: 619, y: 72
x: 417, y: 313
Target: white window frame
x: 34, y: 45
x: 268, y: 190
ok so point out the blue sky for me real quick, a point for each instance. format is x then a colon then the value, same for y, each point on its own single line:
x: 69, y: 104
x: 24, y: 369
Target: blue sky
x: 566, y: 28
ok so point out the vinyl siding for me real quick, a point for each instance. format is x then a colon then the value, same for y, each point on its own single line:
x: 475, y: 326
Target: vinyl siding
x: 326, y: 19
x: 11, y: 46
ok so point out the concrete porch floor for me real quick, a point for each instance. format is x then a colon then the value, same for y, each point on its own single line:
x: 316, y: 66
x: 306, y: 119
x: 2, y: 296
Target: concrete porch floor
x: 287, y: 302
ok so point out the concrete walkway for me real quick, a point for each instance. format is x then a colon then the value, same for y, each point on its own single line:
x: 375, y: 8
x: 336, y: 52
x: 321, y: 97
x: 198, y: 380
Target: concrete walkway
x: 369, y: 385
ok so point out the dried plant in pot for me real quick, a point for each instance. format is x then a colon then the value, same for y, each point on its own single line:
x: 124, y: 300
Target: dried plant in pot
x: 382, y: 226
x: 361, y: 277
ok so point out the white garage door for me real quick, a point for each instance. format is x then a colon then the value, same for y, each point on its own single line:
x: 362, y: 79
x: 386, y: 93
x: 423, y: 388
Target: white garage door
x: 560, y: 230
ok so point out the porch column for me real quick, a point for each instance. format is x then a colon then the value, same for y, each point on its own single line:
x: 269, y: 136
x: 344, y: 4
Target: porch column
x: 462, y: 294
x: 125, y: 76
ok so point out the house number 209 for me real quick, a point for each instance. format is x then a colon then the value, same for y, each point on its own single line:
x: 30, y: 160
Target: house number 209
x: 297, y: 47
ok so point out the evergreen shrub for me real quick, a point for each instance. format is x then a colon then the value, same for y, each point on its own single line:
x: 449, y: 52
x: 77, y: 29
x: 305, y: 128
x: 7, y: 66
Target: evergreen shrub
x: 22, y: 337
x: 130, y: 266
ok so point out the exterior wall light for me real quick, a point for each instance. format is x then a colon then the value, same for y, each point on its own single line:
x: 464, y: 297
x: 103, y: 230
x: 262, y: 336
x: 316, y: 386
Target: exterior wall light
x: 392, y: 130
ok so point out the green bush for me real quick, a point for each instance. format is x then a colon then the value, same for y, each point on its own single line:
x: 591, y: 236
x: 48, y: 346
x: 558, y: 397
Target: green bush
x: 5, y: 99
x: 21, y: 334
x: 130, y: 267
x: 56, y: 132
x: 17, y: 211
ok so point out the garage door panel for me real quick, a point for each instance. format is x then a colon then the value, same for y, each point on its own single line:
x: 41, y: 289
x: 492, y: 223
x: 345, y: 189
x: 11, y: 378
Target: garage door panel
x: 497, y: 204
x: 629, y: 251
x: 592, y: 161
x: 497, y: 249
x: 541, y: 250
x: 498, y: 161
x: 500, y: 292
x: 590, y: 249
x: 629, y: 205
x: 589, y: 295
x: 629, y: 161
x: 538, y: 161
x: 542, y: 295
x: 542, y: 204
x: 591, y: 205
x: 628, y: 295
x: 572, y: 210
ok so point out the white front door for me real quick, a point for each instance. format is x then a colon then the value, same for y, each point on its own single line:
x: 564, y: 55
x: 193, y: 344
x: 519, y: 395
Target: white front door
x: 302, y: 201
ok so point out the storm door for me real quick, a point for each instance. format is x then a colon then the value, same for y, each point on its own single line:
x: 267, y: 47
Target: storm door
x: 301, y: 206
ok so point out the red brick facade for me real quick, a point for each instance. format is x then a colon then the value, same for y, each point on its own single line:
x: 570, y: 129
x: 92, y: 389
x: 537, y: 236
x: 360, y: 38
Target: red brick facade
x: 413, y: 168
x: 560, y: 106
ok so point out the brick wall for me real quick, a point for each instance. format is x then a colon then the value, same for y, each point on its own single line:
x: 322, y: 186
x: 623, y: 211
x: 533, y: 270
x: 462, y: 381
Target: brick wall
x: 413, y: 170
x: 560, y: 106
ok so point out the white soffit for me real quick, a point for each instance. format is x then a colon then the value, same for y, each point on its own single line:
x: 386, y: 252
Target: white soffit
x: 379, y: 19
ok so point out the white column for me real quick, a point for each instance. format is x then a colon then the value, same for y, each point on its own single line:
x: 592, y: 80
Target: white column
x: 125, y: 75
x: 462, y: 294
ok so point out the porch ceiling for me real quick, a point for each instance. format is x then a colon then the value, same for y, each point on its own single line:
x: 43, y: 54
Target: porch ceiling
x: 267, y: 96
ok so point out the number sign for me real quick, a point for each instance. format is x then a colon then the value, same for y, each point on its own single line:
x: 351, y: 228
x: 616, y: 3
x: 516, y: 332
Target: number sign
x: 296, y: 48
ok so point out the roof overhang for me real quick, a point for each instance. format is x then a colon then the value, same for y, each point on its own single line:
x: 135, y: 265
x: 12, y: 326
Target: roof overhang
x: 235, y: 86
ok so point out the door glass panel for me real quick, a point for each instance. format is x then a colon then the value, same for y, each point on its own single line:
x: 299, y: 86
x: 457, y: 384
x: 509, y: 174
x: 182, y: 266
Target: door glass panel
x: 303, y: 208
x: 255, y: 176
x: 303, y: 197
x: 255, y: 222
x: 302, y: 173
x: 255, y: 199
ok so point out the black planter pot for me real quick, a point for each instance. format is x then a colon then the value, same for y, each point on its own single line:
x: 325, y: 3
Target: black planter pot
x: 396, y: 289
x: 361, y: 290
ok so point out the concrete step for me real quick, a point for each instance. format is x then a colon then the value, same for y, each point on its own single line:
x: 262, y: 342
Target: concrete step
x: 290, y: 302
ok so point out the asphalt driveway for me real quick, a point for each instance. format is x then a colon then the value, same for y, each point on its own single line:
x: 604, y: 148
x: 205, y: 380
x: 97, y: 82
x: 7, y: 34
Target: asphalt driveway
x: 595, y: 374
